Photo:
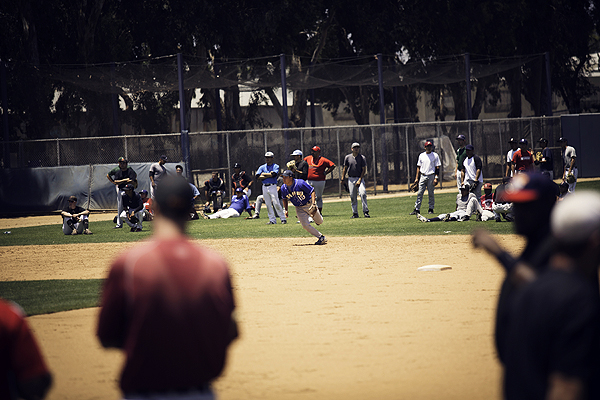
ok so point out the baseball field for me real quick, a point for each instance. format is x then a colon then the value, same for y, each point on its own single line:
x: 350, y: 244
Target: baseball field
x: 353, y: 319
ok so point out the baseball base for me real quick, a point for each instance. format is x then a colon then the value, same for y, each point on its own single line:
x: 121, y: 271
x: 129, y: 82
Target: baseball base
x: 434, y: 267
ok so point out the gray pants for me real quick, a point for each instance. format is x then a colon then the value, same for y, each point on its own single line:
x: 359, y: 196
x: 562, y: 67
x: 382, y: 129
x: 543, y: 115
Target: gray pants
x: 304, y: 218
x: 425, y: 182
x: 361, y: 191
x: 79, y: 227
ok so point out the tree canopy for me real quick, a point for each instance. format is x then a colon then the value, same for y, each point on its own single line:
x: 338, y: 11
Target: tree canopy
x: 58, y: 32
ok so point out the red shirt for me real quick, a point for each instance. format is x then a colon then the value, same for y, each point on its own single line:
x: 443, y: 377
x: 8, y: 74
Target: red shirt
x: 487, y: 201
x: 316, y: 171
x: 168, y: 305
x: 523, y: 160
x: 19, y: 352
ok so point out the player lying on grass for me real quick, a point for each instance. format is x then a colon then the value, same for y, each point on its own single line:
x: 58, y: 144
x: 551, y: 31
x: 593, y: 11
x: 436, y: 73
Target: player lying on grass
x: 467, y: 204
x: 239, y: 203
x: 303, y: 197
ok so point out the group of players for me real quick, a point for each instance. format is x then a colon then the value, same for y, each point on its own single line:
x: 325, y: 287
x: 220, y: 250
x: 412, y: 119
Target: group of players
x: 301, y: 184
x: 469, y: 177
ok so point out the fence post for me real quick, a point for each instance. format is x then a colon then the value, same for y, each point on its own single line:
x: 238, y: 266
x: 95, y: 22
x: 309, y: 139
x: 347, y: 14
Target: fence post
x: 339, y: 156
x: 384, y: 164
x: 468, y: 82
x: 407, y: 156
x: 185, y: 146
x: 5, y: 130
x: 548, y: 85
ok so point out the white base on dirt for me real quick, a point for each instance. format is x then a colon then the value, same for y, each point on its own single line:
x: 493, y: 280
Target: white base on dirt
x: 434, y: 267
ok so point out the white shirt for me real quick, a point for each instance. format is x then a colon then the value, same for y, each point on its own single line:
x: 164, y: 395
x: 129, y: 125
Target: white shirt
x: 428, y: 162
x: 509, y: 157
x: 471, y: 170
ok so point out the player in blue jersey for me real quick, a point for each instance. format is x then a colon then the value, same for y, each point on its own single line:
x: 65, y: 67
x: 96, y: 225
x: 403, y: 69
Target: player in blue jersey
x: 239, y: 203
x: 303, y: 197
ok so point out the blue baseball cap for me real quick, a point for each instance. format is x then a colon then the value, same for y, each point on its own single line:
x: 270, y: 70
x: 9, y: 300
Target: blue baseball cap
x: 461, y: 137
x: 469, y: 147
x: 524, y: 188
x: 288, y: 173
x: 239, y: 190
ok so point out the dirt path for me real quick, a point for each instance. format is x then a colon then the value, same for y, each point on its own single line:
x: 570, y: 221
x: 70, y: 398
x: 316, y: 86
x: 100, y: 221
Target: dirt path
x: 352, y: 319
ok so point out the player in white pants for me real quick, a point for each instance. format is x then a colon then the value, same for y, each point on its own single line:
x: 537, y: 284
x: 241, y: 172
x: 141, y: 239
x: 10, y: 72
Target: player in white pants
x: 466, y: 205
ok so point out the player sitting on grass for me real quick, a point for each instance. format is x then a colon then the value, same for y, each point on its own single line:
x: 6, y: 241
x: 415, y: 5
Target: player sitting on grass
x: 303, y: 197
x: 466, y: 205
x: 75, y: 218
x: 239, y: 203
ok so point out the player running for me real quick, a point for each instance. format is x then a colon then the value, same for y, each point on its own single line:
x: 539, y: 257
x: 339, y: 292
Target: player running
x: 303, y: 197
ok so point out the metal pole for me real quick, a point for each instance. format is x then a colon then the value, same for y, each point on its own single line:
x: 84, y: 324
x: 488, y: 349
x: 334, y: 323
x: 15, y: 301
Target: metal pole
x: 548, y: 86
x: 374, y: 164
x: 468, y: 82
x: 285, y: 121
x: 185, y: 146
x: 384, y: 165
x: 407, y: 156
x: 337, y: 137
x: 115, y: 104
x: 218, y: 102
x: 6, y: 154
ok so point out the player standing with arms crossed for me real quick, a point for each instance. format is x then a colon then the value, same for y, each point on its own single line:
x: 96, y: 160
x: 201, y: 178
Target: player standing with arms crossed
x: 303, y: 197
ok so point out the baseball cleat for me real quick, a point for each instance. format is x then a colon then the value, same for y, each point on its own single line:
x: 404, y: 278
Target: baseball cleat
x: 138, y: 230
x: 73, y: 232
x: 354, y: 216
x: 271, y: 223
x: 446, y: 218
x: 284, y: 222
x: 367, y: 215
x: 118, y: 227
x: 414, y: 212
x: 133, y: 229
x: 430, y: 211
x: 87, y: 232
x: 256, y: 216
x: 422, y: 218
x: 321, y: 240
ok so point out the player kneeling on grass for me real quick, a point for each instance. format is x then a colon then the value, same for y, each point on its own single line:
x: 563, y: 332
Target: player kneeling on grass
x: 75, y: 218
x: 239, y: 203
x: 303, y: 197
x: 133, y: 207
x: 467, y: 204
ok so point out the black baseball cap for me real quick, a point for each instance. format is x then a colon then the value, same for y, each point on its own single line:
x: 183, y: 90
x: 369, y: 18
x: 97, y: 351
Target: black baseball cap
x: 469, y: 147
x: 524, y: 188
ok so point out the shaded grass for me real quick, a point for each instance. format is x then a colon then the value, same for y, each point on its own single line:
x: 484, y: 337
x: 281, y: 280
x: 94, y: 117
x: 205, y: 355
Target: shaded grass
x: 49, y: 296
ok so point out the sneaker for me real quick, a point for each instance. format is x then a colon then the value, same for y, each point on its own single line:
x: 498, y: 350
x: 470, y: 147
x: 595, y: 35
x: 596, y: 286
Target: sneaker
x: 256, y: 216
x: 118, y: 227
x: 321, y: 240
x: 367, y: 215
x: 430, y: 211
x: 415, y: 212
x: 271, y: 223
x: 284, y: 222
x: 354, y: 216
x: 87, y: 232
x: 446, y: 218
x: 421, y: 218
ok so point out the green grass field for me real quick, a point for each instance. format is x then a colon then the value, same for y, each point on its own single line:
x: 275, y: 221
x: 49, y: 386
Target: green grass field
x: 389, y: 217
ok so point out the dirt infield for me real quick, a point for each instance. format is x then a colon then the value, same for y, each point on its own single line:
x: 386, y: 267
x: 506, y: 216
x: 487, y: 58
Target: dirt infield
x: 349, y: 320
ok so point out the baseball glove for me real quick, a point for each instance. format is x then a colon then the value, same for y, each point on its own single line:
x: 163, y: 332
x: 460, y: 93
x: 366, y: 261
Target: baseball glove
x: 413, y: 187
x: 133, y: 219
x: 291, y: 164
x: 313, y: 210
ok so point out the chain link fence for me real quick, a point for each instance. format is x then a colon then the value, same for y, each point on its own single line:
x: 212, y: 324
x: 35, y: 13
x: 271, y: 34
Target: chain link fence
x: 391, y: 150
